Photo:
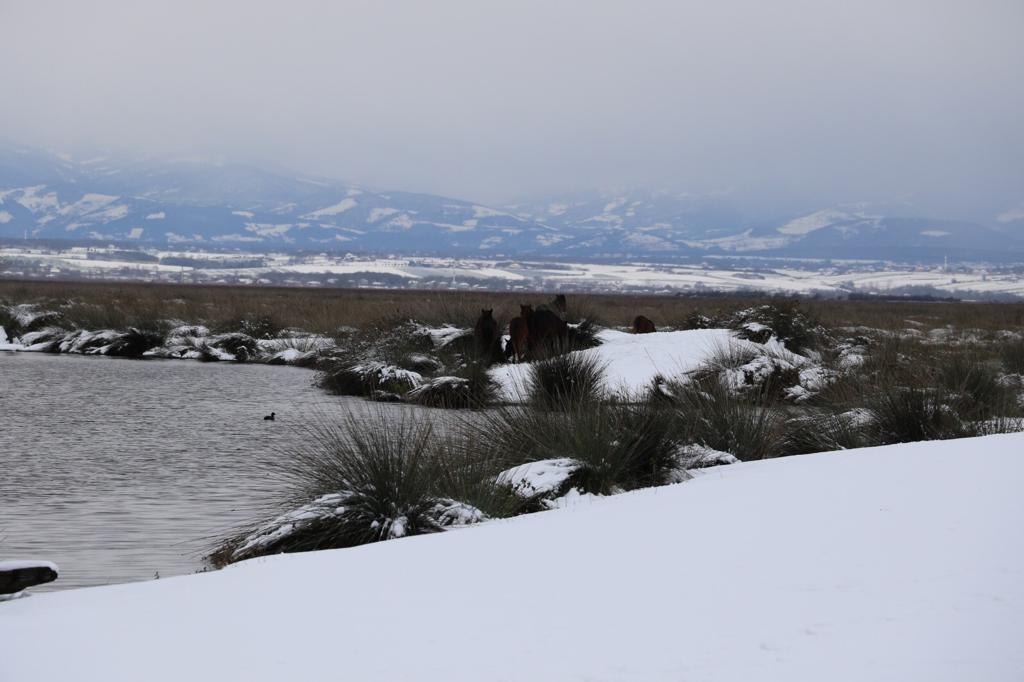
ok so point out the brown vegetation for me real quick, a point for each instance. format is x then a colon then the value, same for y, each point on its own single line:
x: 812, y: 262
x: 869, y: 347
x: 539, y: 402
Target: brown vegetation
x: 95, y: 305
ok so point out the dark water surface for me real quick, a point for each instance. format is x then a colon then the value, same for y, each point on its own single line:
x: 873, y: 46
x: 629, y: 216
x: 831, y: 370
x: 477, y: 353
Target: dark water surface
x: 119, y: 469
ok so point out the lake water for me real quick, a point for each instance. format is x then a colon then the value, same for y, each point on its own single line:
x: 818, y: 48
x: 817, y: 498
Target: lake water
x: 122, y: 469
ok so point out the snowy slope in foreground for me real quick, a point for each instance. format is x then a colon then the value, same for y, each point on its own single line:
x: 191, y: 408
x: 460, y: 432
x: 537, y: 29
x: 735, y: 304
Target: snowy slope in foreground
x: 896, y: 563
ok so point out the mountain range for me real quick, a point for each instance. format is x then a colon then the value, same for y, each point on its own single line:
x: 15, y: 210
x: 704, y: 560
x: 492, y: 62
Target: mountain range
x: 195, y: 203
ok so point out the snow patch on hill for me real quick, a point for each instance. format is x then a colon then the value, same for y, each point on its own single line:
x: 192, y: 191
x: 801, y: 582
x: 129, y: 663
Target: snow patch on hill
x: 340, y: 207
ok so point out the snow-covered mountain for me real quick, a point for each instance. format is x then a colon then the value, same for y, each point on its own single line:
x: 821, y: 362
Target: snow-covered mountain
x: 48, y: 196
x: 631, y: 224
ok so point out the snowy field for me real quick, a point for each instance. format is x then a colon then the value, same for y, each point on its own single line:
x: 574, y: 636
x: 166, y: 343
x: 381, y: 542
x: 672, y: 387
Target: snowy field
x: 788, y: 276
x: 893, y: 563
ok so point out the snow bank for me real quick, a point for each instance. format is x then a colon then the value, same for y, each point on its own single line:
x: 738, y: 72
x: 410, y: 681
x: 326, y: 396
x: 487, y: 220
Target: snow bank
x: 894, y: 563
x: 633, y: 360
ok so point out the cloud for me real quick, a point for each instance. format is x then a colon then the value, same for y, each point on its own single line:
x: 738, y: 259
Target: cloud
x: 821, y: 102
x: 1013, y: 215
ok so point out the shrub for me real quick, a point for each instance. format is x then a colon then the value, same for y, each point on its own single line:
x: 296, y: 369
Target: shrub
x: 697, y: 320
x: 346, y: 377
x: 468, y: 472
x: 974, y: 387
x: 473, y: 389
x: 45, y: 340
x: 566, y: 380
x: 134, y: 342
x: 755, y: 373
x: 825, y: 431
x: 1011, y: 353
x: 242, y: 346
x: 710, y: 415
x: 356, y: 482
x: 259, y: 326
x: 18, y: 320
x: 621, y: 447
x: 421, y: 363
x: 784, y: 320
x: 583, y: 335
x: 908, y: 414
x: 611, y: 446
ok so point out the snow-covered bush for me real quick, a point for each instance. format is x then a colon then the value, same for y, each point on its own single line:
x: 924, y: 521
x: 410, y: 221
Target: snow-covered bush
x: 135, y: 342
x: 25, y: 318
x: 367, y: 479
x: 46, y: 340
x: 365, y: 378
x: 474, y: 388
x: 612, y: 446
x: 241, y: 346
x: 782, y: 321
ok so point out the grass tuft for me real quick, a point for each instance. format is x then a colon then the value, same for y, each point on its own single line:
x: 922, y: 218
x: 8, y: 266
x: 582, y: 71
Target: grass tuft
x: 566, y: 380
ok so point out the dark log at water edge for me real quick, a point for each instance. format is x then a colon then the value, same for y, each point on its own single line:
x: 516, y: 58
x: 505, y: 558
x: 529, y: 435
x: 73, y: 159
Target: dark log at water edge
x: 16, y: 576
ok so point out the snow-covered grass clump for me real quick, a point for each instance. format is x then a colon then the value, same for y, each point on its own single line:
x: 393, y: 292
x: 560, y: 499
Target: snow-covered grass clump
x: 892, y: 563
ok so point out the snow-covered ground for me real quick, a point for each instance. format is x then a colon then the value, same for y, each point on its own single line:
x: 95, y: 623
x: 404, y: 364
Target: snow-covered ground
x: 894, y: 563
x: 631, y: 361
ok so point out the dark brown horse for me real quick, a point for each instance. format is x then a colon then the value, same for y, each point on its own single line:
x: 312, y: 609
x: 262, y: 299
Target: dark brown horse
x: 557, y: 305
x: 518, y: 339
x: 643, y: 325
x: 486, y: 336
x: 547, y: 331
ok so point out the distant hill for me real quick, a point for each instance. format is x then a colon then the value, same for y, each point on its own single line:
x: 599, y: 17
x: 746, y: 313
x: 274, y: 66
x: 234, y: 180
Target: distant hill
x: 49, y: 196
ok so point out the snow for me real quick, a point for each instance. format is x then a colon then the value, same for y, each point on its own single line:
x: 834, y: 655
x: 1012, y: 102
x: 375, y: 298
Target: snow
x: 110, y: 214
x: 5, y: 217
x: 340, y: 207
x: 156, y: 216
x: 269, y: 229
x: 33, y: 201
x: 894, y: 563
x: 88, y: 204
x: 814, y: 221
x: 443, y: 335
x: 631, y: 361
x: 18, y: 564
x: 538, y: 478
x: 377, y: 214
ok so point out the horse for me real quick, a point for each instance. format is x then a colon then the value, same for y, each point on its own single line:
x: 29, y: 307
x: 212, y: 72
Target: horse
x: 486, y: 336
x: 518, y: 339
x: 557, y: 305
x: 643, y: 325
x: 547, y: 330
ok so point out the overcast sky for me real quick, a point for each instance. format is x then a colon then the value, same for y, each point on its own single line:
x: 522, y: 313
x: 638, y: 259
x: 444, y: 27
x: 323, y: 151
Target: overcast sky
x: 813, y: 101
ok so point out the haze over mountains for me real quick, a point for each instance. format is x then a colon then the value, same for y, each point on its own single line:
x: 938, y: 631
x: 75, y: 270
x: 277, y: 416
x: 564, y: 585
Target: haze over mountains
x: 156, y: 202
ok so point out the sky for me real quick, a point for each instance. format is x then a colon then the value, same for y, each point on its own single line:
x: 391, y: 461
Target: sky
x: 813, y: 102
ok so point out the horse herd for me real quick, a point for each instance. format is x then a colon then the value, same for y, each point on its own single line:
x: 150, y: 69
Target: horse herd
x: 534, y: 333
